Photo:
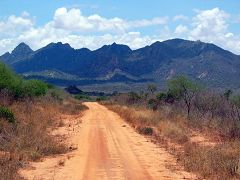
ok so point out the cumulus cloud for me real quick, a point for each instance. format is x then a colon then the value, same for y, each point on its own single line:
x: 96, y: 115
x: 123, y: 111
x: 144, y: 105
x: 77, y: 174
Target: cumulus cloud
x: 213, y: 26
x: 210, y: 23
x: 74, y: 20
x: 14, y: 25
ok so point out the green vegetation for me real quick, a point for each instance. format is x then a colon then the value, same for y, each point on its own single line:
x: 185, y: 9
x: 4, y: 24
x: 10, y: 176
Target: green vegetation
x: 183, y: 88
x: 19, y: 87
x: 34, y: 88
x: 7, y: 114
x: 101, y: 98
x: 83, y: 97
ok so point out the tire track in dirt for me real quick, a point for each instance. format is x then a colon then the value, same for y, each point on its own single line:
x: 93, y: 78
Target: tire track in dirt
x: 108, y: 148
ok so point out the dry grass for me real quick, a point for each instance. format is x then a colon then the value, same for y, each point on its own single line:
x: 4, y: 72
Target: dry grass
x: 29, y: 139
x: 144, y: 119
x: 220, y: 161
x: 213, y: 162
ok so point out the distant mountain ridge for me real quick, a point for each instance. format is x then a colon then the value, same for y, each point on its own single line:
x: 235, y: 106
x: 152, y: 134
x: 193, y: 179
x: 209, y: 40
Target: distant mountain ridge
x: 61, y: 64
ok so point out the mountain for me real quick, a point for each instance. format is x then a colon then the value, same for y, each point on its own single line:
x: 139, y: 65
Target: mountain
x: 21, y: 52
x: 61, y: 64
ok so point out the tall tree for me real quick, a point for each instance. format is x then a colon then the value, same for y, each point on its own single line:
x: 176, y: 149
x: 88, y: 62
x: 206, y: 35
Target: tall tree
x: 183, y: 88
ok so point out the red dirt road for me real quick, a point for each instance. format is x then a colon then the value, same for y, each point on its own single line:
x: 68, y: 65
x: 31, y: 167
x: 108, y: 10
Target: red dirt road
x: 108, y: 149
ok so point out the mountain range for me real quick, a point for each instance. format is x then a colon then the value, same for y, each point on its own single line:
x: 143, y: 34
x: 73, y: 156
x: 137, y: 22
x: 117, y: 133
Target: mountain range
x: 63, y: 65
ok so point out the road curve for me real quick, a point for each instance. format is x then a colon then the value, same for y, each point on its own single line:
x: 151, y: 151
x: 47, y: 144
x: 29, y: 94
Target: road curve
x: 108, y: 148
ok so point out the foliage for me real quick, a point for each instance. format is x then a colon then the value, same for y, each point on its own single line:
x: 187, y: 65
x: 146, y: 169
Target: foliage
x: 133, y: 97
x: 183, y: 88
x: 82, y: 97
x: 236, y: 101
x: 152, y: 104
x: 19, y: 87
x: 152, y: 88
x: 228, y: 93
x: 34, y: 88
x: 7, y: 114
x: 10, y: 81
x: 101, y: 98
x: 161, y: 96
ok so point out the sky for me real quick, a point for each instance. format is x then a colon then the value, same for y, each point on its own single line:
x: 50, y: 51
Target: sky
x: 136, y: 23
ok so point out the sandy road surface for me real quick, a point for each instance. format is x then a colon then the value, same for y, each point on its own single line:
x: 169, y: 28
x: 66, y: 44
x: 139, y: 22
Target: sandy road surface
x: 108, y: 149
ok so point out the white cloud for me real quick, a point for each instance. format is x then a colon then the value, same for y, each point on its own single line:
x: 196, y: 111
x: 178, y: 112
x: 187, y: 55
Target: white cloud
x: 14, y: 25
x: 210, y: 23
x: 180, y: 17
x: 74, y: 20
x: 213, y: 26
x: 181, y: 29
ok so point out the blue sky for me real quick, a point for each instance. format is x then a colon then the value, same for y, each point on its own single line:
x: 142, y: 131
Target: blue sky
x: 94, y: 23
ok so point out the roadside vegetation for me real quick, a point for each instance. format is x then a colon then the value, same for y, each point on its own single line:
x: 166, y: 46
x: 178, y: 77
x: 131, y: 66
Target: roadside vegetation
x: 200, y: 126
x: 28, y: 111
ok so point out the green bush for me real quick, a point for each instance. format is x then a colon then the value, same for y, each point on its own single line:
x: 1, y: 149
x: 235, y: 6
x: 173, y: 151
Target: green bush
x: 161, y: 96
x: 19, y: 87
x: 35, y: 88
x: 153, y: 104
x: 10, y: 81
x: 7, y: 114
x: 101, y: 98
x: 82, y: 97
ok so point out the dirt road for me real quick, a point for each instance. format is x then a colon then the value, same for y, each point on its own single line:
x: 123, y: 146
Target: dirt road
x: 108, y: 149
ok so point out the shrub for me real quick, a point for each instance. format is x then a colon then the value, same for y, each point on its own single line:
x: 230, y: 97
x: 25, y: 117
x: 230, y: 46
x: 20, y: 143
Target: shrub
x: 101, y: 98
x: 19, y: 87
x: 7, y: 114
x: 35, y: 88
x: 82, y: 97
x: 161, y: 96
x: 10, y: 81
x: 133, y: 97
x: 153, y: 104
x: 145, y: 130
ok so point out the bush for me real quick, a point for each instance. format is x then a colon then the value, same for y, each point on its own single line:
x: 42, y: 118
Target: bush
x: 101, y: 98
x: 133, y: 97
x: 10, y: 81
x: 82, y: 97
x: 7, y: 114
x: 145, y: 130
x: 19, y: 87
x: 153, y: 104
x: 161, y: 96
x: 34, y: 88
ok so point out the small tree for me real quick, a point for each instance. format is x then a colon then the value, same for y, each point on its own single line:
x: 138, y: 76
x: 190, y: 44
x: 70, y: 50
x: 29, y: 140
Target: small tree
x: 228, y: 93
x: 183, y: 88
x: 152, y: 88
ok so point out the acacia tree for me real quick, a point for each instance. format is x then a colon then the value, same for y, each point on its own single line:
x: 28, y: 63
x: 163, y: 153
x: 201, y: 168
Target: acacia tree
x: 181, y: 87
x: 152, y: 88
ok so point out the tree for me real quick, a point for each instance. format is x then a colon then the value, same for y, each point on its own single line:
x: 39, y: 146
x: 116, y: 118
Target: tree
x: 152, y: 88
x: 181, y: 87
x: 228, y: 93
